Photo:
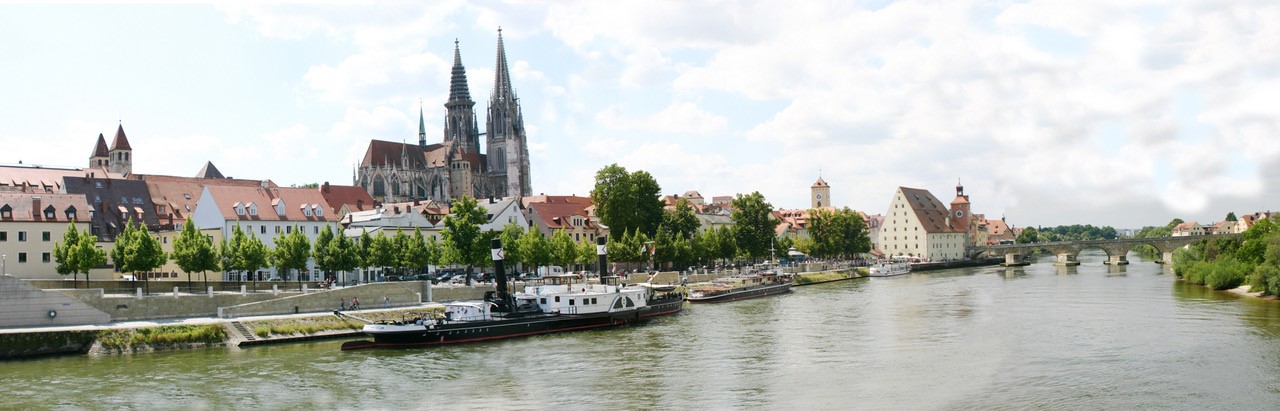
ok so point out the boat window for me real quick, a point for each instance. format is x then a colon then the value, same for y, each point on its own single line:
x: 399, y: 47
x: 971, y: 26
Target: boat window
x: 617, y: 303
x: 544, y: 300
x: 593, y: 301
x: 570, y: 301
x: 557, y: 298
x: 630, y: 303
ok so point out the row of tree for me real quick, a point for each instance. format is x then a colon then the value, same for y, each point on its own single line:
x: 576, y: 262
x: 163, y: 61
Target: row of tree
x: 1222, y: 263
x: 629, y: 204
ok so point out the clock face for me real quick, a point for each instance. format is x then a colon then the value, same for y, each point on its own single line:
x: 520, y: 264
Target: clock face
x: 959, y: 213
x: 819, y: 196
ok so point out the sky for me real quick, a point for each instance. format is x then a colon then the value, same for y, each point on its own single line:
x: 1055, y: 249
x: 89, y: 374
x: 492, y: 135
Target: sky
x: 1125, y: 114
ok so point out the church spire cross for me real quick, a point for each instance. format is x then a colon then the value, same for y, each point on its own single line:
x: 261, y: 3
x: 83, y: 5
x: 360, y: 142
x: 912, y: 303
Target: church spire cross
x: 458, y: 83
x: 422, y: 126
x: 502, y: 90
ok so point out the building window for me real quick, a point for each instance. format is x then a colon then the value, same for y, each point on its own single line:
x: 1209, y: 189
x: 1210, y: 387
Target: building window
x: 264, y: 229
x: 45, y: 236
x: 22, y: 236
x: 315, y: 230
x: 22, y: 257
x: 253, y: 209
x: 44, y: 258
x: 50, y: 214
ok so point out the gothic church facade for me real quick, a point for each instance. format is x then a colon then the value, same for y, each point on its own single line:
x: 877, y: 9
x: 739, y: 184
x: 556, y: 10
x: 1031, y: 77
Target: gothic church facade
x: 395, y: 172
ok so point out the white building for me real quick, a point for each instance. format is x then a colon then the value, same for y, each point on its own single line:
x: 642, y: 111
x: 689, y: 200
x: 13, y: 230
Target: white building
x: 919, y: 225
x: 31, y: 224
x: 265, y: 212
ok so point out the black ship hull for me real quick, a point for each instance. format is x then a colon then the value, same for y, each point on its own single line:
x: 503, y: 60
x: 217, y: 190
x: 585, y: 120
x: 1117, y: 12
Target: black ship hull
x: 511, y: 327
x: 743, y: 294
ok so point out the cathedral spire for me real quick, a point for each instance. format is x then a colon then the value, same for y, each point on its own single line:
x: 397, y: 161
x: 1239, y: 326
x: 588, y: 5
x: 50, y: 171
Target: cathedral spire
x: 502, y: 90
x: 458, y: 84
x: 422, y: 126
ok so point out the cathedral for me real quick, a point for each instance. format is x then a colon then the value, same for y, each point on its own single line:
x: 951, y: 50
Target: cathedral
x: 454, y: 167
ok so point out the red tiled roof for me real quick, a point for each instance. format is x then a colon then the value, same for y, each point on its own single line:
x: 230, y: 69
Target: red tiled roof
x: 100, y: 148
x: 557, y: 215
x: 583, y: 201
x: 21, y: 206
x: 383, y: 153
x: 180, y: 194
x: 120, y: 142
x: 42, y: 179
x: 932, y: 214
x: 819, y: 183
x: 355, y: 197
x: 227, y: 196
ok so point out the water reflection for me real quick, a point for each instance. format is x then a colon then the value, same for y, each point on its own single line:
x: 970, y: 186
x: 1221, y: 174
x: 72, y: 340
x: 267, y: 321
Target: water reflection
x: 1057, y: 338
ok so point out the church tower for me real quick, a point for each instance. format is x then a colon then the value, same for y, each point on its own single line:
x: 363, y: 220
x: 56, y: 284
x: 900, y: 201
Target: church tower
x: 120, y: 160
x: 507, y: 149
x: 820, y: 194
x: 100, y: 157
x: 422, y: 127
x: 460, y: 128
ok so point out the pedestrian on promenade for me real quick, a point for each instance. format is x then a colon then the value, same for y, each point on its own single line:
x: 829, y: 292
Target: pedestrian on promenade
x: 343, y: 303
x: 355, y: 303
x: 386, y: 302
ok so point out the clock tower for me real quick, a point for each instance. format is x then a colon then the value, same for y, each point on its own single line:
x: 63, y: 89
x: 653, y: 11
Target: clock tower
x: 820, y: 194
x: 960, y: 209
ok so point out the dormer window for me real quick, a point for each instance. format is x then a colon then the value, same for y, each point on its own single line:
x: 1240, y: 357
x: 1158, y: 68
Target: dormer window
x: 306, y: 210
x: 6, y: 211
x: 239, y: 209
x: 50, y: 213
x: 71, y: 213
x: 253, y: 209
x: 319, y: 211
x: 280, y: 208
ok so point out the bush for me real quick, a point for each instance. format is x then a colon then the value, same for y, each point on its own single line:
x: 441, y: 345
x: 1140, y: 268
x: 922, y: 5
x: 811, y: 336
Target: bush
x: 1227, y: 273
x: 1265, y: 278
x: 1196, y: 272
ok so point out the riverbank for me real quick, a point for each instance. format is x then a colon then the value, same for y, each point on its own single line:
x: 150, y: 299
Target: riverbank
x: 190, y: 333
x: 821, y: 277
x: 945, y: 265
x: 1244, y: 291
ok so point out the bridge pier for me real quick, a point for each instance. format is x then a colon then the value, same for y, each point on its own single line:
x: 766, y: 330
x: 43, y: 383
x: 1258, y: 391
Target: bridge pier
x: 1166, y: 258
x: 1066, y: 259
x: 1117, y: 259
x: 1015, y: 260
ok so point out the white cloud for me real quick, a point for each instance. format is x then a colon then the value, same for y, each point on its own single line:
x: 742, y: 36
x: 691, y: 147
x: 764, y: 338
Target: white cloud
x: 679, y: 117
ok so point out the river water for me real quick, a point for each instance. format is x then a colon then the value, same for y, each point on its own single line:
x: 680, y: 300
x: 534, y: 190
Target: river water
x: 1036, y: 337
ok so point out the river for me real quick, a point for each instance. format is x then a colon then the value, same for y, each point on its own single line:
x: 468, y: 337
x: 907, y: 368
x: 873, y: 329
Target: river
x: 1046, y: 337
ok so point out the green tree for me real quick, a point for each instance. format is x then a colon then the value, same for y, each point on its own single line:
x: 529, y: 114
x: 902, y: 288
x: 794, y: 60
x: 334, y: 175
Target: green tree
x: 510, y: 236
x: 665, y: 251
x: 382, y: 252
x: 753, y: 224
x: 193, y: 251
x: 681, y: 219
x: 627, y: 201
x: 136, y: 251
x: 344, y: 255
x: 838, y: 233
x: 1174, y: 223
x: 399, y: 245
x: 1027, y: 236
x: 462, y: 234
x: 727, y: 247
x: 320, y: 251
x: 1231, y: 216
x: 291, y: 253
x: 563, y: 250
x: 77, y: 253
x: 415, y: 255
x: 535, y: 250
x: 586, y: 253
x: 251, y: 256
x: 365, y: 247
x: 435, y: 252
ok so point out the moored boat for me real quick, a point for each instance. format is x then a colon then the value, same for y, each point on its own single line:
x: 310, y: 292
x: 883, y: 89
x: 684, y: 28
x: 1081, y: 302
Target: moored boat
x: 889, y: 269
x: 560, y: 303
x: 739, y: 288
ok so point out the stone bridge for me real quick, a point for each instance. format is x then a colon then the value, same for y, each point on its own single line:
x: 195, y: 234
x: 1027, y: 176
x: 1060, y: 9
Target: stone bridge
x: 1069, y: 251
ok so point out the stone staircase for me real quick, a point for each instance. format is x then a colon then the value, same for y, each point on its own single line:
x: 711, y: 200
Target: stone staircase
x: 244, y: 331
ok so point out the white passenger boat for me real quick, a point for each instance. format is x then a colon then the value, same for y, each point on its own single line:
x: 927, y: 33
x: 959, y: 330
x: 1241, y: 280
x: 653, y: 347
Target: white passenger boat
x: 889, y: 269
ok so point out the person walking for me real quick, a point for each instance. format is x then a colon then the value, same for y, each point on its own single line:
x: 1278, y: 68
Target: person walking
x: 386, y: 302
x: 355, y: 303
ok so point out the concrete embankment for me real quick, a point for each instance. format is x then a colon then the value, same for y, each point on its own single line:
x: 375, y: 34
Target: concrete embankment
x: 943, y: 265
x: 145, y: 336
x: 820, y: 277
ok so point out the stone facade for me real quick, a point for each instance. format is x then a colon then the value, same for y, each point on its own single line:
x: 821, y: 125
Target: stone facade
x: 397, y: 172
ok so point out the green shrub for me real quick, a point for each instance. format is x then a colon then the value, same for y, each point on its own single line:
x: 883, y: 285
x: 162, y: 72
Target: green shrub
x: 1227, y: 273
x: 1265, y: 278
